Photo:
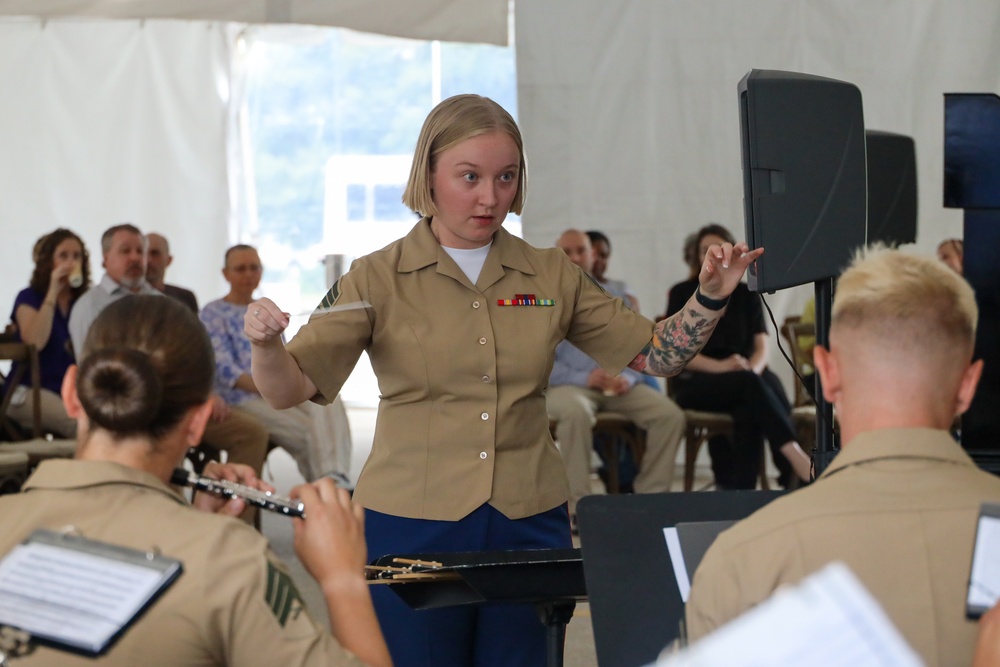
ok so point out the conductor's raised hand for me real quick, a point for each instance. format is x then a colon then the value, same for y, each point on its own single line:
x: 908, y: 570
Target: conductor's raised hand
x: 330, y: 541
x: 264, y: 322
x: 724, y: 267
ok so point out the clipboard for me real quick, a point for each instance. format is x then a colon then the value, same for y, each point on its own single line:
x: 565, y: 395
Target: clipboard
x: 984, y: 577
x: 79, y: 595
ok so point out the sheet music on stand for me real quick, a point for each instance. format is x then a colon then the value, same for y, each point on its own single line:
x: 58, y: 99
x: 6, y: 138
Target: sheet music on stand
x: 78, y: 595
x: 687, y: 543
x: 828, y: 620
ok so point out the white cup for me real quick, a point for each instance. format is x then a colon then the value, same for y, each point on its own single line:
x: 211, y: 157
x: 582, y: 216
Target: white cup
x: 76, y: 276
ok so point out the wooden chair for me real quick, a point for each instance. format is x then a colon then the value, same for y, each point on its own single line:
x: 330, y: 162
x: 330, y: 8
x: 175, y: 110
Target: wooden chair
x: 700, y: 427
x: 26, y: 357
x: 612, y: 431
x: 34, y: 444
x: 804, y: 407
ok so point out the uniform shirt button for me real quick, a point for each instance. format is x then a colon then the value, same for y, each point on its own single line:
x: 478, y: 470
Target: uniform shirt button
x: 482, y: 455
x: 475, y: 304
x: 482, y: 341
x: 486, y: 379
x: 485, y: 416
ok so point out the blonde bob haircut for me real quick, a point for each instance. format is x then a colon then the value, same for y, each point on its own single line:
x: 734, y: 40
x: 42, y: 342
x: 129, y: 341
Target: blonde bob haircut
x: 904, y: 299
x: 451, y: 122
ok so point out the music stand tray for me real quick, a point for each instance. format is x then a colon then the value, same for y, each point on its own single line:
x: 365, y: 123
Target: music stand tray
x: 550, y: 579
x: 635, y: 603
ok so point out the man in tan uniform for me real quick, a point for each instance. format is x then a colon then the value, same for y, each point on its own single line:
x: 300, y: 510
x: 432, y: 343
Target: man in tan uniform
x: 899, y: 503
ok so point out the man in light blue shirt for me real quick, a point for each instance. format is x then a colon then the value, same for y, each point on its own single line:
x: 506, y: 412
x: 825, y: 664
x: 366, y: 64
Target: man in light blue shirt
x: 579, y: 389
x: 241, y: 435
x: 124, y: 251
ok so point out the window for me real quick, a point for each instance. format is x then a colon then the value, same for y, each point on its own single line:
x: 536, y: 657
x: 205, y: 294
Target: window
x: 330, y: 120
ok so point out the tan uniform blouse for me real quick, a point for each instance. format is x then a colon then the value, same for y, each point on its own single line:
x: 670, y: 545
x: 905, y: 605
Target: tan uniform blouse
x: 462, y: 419
x: 234, y: 604
x: 898, y: 506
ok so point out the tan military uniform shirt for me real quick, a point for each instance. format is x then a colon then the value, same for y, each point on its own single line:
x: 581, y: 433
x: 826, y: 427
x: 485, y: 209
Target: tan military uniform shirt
x: 234, y: 604
x: 462, y: 379
x: 898, y: 506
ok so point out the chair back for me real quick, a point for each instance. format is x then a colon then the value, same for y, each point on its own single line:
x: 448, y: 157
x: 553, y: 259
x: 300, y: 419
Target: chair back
x: 801, y: 337
x: 26, y: 358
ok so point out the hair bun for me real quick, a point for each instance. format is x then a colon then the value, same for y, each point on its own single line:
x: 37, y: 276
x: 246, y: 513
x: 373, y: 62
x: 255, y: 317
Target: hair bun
x: 120, y: 390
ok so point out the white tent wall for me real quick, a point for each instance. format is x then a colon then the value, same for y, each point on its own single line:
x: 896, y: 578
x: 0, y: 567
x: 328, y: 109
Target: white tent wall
x: 628, y: 109
x: 631, y: 123
x: 447, y: 20
x: 103, y: 122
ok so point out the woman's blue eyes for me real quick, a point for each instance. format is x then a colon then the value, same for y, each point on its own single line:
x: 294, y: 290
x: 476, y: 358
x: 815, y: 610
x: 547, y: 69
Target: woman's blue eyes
x: 471, y: 177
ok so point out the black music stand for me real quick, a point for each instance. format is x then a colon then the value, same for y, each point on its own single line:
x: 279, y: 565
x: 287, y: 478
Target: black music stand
x: 635, y: 604
x: 550, y: 579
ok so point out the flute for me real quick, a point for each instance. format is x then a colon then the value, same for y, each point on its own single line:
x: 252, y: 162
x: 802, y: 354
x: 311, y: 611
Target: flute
x: 227, y: 489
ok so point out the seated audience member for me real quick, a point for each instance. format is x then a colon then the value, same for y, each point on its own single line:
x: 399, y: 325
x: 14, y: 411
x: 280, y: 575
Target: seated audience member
x: 579, y: 388
x: 318, y: 437
x: 899, y: 503
x: 239, y: 434
x: 158, y: 258
x: 41, y: 317
x: 951, y: 252
x: 140, y: 397
x: 601, y: 246
x: 731, y: 375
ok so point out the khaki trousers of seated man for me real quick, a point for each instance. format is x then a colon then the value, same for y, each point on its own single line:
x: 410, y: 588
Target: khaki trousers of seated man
x: 317, y: 436
x: 244, y: 439
x: 575, y: 409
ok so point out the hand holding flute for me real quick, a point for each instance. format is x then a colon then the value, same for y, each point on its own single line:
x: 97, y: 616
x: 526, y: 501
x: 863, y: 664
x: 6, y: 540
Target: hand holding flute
x: 226, y: 488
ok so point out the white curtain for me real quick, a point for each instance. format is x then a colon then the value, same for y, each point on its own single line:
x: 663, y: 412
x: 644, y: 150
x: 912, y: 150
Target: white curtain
x: 631, y: 124
x: 447, y: 20
x: 103, y: 122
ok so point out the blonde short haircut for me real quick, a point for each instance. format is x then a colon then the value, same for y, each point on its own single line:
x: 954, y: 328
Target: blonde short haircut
x: 451, y: 122
x: 908, y: 301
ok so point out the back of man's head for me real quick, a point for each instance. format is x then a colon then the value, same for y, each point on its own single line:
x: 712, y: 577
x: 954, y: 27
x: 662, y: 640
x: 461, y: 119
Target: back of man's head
x: 901, y: 342
x: 906, y: 304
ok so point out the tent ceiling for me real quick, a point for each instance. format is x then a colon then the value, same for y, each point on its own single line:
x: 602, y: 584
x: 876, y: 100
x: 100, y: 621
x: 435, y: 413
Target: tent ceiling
x: 447, y: 20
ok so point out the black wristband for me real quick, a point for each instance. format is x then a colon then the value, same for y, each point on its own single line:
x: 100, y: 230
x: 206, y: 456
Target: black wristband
x: 711, y: 304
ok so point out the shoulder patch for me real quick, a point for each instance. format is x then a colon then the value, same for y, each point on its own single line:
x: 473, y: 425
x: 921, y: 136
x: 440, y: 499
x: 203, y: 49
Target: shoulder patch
x: 281, y: 595
x: 331, y: 298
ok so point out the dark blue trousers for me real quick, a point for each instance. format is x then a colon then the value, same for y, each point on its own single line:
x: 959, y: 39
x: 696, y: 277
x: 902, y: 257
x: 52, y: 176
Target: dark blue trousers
x: 498, y: 635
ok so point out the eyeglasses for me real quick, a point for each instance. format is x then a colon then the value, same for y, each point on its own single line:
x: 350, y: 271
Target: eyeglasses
x: 240, y: 268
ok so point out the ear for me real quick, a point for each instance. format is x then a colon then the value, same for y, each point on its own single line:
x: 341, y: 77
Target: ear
x: 199, y: 419
x: 829, y: 373
x: 69, y: 396
x: 967, y: 388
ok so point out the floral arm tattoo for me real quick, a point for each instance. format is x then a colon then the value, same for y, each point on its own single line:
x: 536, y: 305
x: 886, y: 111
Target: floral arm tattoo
x: 676, y: 340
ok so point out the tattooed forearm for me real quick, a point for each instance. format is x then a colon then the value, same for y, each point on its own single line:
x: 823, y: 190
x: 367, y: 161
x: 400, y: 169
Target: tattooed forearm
x: 676, y: 340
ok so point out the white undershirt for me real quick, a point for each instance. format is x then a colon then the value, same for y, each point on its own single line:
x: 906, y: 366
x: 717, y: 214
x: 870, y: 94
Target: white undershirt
x: 470, y: 261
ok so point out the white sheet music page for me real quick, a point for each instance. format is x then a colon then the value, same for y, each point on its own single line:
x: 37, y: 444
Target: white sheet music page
x: 984, y: 580
x: 828, y: 620
x: 70, y: 596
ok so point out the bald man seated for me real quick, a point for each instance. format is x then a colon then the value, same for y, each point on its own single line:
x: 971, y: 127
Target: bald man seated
x: 579, y: 388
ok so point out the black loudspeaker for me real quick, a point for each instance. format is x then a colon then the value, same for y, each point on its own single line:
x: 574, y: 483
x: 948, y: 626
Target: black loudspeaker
x: 972, y: 182
x: 804, y: 176
x: 972, y: 150
x: 892, y: 188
